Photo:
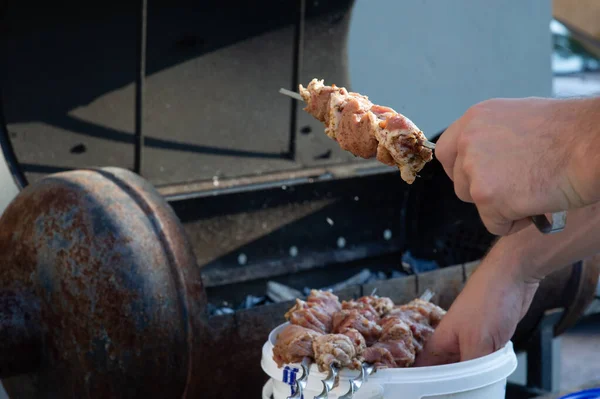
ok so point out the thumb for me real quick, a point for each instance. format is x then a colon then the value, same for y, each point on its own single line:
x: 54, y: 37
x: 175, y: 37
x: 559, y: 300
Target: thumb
x: 441, y: 348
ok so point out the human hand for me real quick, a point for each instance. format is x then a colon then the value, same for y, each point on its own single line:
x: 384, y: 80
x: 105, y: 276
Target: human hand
x: 483, y: 317
x: 496, y: 297
x: 515, y: 158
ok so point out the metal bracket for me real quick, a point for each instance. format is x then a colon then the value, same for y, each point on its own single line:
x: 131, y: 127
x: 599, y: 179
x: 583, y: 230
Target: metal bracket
x: 539, y: 354
x: 555, y: 225
x: 539, y: 359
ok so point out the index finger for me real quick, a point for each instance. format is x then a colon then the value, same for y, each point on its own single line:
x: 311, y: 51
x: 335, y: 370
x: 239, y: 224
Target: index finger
x: 446, y: 149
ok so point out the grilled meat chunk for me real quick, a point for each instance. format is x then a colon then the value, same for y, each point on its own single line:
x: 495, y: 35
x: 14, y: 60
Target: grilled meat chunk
x: 335, y: 349
x: 346, y: 319
x: 397, y: 339
x: 430, y: 311
x: 367, y: 130
x: 316, y: 312
x: 390, y: 354
x: 293, y: 344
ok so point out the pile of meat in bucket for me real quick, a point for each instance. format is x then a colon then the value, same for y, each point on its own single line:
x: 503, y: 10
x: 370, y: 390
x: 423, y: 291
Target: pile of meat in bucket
x: 370, y: 329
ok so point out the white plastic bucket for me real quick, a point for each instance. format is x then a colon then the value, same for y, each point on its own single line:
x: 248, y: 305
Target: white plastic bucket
x: 483, y: 378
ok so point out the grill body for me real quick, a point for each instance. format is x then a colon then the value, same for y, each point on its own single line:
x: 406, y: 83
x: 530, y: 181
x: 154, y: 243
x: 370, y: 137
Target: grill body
x: 107, y: 298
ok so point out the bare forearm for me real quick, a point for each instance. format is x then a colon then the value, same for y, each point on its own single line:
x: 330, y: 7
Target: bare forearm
x: 584, y: 165
x: 536, y: 255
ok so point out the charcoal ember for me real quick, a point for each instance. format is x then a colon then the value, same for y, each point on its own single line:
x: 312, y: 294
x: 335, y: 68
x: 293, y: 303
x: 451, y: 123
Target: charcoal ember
x: 220, y: 309
x: 365, y: 276
x: 211, y: 309
x: 359, y: 278
x: 377, y: 277
x: 278, y: 292
x: 414, y: 265
x: 252, y: 301
x: 214, y: 310
x: 397, y: 274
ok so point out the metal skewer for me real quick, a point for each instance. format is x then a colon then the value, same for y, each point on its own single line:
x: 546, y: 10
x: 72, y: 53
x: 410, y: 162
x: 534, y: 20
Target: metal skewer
x: 296, y: 96
x: 306, y: 362
x: 356, y: 383
x: 429, y: 144
x: 427, y: 295
x: 328, y: 382
x: 291, y: 94
x: 301, y: 382
x: 298, y: 392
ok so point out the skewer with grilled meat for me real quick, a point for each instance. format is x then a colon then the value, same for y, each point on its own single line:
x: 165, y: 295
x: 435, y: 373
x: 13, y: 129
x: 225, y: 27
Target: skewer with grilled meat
x: 327, y: 300
x: 316, y: 312
x: 368, y: 130
x: 343, y: 350
x: 432, y: 313
x: 357, y: 340
x: 352, y: 319
x: 421, y: 316
x: 380, y: 306
x: 420, y: 328
x: 294, y: 343
x: 395, y: 347
x: 364, y: 308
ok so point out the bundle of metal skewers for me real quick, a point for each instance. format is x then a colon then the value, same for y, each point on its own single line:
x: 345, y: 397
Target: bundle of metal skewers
x: 329, y: 382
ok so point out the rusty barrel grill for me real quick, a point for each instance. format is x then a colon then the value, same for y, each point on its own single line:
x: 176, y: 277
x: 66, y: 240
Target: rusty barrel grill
x: 106, y: 282
x: 101, y: 296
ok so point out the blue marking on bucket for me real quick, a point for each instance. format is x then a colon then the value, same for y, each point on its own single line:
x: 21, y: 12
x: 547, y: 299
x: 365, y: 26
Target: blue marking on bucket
x: 289, y: 377
x: 587, y: 394
x: 286, y: 372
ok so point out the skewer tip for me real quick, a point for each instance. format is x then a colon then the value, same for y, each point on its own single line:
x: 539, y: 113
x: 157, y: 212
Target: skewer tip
x: 429, y: 144
x: 427, y: 295
x: 291, y: 94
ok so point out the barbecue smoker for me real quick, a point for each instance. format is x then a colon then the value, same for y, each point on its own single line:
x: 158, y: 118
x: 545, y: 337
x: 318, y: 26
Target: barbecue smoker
x: 113, y: 285
x: 102, y: 294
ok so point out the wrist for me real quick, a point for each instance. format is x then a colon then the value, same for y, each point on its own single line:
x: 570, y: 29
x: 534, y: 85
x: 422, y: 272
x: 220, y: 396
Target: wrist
x: 584, y: 166
x: 517, y: 256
